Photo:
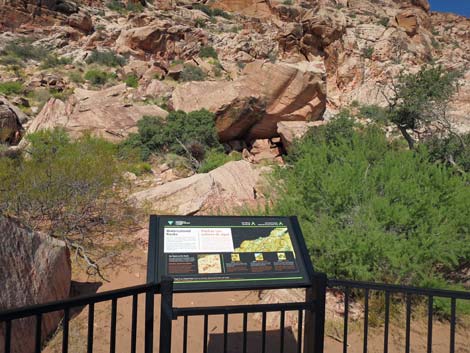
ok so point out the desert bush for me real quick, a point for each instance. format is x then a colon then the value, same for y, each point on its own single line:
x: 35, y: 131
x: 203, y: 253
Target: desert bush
x: 192, y: 73
x: 371, y: 211
x: 367, y: 52
x: 453, y: 150
x: 132, y: 81
x: 123, y: 8
x: 64, y: 188
x: 374, y: 113
x: 208, y: 52
x: 24, y: 50
x: 215, y: 158
x: 212, y: 12
x: 11, y: 87
x: 98, y: 77
x: 52, y: 61
x: 176, y: 134
x: 76, y: 77
x: 106, y: 58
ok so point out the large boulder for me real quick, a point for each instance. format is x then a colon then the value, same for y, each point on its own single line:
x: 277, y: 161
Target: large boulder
x: 10, y: 122
x: 229, y: 186
x: 103, y: 113
x: 250, y: 107
x: 34, y: 269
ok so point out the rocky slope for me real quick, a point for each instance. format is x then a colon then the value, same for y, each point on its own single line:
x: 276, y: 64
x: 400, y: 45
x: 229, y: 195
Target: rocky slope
x: 267, y: 69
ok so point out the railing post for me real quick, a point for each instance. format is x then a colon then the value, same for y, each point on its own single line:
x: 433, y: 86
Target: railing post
x: 166, y: 314
x: 315, y: 317
x: 149, y: 317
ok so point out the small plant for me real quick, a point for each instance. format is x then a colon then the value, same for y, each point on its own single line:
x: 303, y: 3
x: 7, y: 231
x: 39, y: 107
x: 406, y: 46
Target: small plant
x: 98, y: 77
x: 212, y: 12
x: 241, y: 65
x: 140, y: 168
x: 192, y: 73
x: 76, y: 77
x: 272, y: 56
x: 435, y: 44
x: 384, y: 21
x: 106, y: 58
x: 52, y: 61
x: 215, y: 158
x: 367, y: 52
x: 374, y: 113
x: 24, y: 50
x: 63, y: 95
x: 200, y: 23
x: 208, y: 52
x: 132, y: 81
x: 288, y: 2
x: 10, y: 88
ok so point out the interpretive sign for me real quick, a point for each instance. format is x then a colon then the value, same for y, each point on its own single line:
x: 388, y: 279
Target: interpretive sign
x: 224, y: 253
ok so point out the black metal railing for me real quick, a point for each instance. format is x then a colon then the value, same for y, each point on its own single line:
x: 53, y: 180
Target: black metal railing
x: 38, y: 311
x: 409, y: 295
x: 310, y: 316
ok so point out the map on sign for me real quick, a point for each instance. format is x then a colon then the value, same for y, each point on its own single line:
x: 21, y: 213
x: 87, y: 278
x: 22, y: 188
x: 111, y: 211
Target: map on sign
x: 205, y: 253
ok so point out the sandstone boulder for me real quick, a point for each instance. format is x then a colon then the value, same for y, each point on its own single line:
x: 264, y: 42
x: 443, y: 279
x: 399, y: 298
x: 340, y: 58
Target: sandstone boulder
x: 289, y: 131
x: 34, y: 269
x: 81, y: 21
x: 11, y: 119
x: 103, y: 113
x: 250, y: 107
x: 408, y: 21
x: 229, y: 186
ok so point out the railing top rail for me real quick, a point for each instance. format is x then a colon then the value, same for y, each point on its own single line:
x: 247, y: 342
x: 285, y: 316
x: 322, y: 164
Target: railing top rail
x: 444, y: 293
x: 17, y: 313
x: 240, y: 309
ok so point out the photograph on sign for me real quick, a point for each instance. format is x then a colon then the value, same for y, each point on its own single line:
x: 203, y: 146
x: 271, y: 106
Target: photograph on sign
x: 229, y: 251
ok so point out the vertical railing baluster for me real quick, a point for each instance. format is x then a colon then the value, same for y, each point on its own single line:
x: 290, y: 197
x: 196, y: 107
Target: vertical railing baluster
x: 299, y: 331
x: 408, y: 324
x: 65, y: 331
x: 366, y: 319
x: 135, y: 302
x: 7, y: 336
x: 206, y: 323
x: 263, y: 332
x: 91, y: 319
x: 346, y: 318
x: 185, y: 334
x: 430, y: 314
x: 282, y: 324
x: 112, y: 339
x: 37, y: 342
x: 245, y: 329
x: 453, y: 305
x: 387, y: 320
x: 225, y: 332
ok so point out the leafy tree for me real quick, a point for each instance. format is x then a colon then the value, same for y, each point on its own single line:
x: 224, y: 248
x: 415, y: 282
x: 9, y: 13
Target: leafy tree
x: 421, y: 100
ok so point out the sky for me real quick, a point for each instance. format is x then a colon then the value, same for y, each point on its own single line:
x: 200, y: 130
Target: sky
x: 461, y: 7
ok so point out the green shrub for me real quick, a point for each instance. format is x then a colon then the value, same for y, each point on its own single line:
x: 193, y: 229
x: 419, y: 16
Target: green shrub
x: 374, y: 113
x: 24, y: 50
x: 208, y: 52
x: 200, y: 23
x: 63, y: 187
x: 453, y: 150
x: 212, y: 12
x: 367, y: 52
x: 98, y: 77
x: 288, y: 2
x: 12, y: 87
x: 384, y: 21
x: 76, y: 77
x: 216, y: 158
x: 178, y: 133
x: 52, y: 61
x: 192, y: 73
x: 106, y: 58
x: 373, y: 212
x: 132, y: 81
x: 140, y: 168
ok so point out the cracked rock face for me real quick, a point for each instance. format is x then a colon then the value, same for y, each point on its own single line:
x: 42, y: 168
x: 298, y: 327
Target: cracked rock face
x: 34, y: 269
x: 10, y: 123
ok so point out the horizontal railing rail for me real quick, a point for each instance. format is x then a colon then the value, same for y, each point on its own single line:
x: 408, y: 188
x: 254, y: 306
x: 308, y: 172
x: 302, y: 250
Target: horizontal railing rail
x: 408, y: 293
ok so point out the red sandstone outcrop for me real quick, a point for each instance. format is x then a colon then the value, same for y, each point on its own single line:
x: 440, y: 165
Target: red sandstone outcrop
x: 34, y: 269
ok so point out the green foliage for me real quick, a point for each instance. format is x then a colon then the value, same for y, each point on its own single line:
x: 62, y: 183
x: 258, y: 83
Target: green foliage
x: 200, y: 23
x: 24, y: 50
x: 106, y: 58
x: 132, y: 81
x: 178, y: 131
x: 98, y: 77
x: 373, y: 212
x: 288, y: 2
x: 76, y: 77
x: 215, y: 158
x: 422, y: 97
x: 63, y: 187
x: 140, y: 168
x: 384, y: 21
x: 10, y: 88
x: 435, y: 43
x: 192, y: 73
x: 208, y: 52
x: 52, y: 61
x: 367, y: 52
x: 212, y: 12
x: 374, y: 113
x: 452, y: 149
x: 122, y: 8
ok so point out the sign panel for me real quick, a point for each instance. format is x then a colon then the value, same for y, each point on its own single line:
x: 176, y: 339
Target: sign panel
x: 226, y: 253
